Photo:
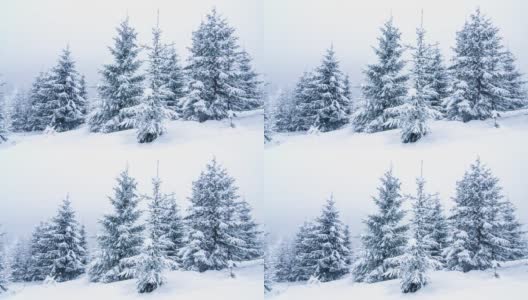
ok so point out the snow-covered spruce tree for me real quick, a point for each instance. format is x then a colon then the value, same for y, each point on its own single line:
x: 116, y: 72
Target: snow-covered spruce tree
x: 65, y: 105
x: 121, y: 238
x: 513, y: 82
x: 439, y: 80
x: 479, y: 89
x: 21, y: 112
x: 305, y: 103
x: 4, y: 126
x: 386, y: 237
x: 175, y: 230
x: 66, y: 251
x: 248, y: 231
x: 151, y: 112
x: 284, y: 112
x: 330, y: 249
x: 83, y: 93
x: 40, y: 263
x: 39, y: 118
x: 122, y: 85
x: 415, y: 112
x: 330, y: 90
x: 386, y: 85
x: 304, y: 262
x: 249, y: 83
x: 511, y: 231
x: 153, y: 259
x: 174, y: 79
x: 214, y: 89
x: 476, y: 241
x: 20, y: 261
x: 414, y: 265
x: 283, y: 262
x: 212, y: 242
x: 83, y: 243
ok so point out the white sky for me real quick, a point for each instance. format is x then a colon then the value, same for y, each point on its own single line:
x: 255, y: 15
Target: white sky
x: 286, y: 37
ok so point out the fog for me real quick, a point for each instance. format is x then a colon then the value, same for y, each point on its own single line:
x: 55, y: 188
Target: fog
x: 284, y: 37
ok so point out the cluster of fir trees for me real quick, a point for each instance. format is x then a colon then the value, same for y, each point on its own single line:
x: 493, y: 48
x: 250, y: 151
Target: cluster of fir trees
x: 57, y: 100
x: 481, y: 232
x: 321, y: 251
x: 217, y: 232
x: 481, y: 82
x: 217, y: 82
x: 57, y: 250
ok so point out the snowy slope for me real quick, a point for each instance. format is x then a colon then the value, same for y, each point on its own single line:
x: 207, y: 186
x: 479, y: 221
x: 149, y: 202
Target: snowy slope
x: 300, y: 170
x: 179, y: 285
x: 36, y: 170
x: 444, y: 285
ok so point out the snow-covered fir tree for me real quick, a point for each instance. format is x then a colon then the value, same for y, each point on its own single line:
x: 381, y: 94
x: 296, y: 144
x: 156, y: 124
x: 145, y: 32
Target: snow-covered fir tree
x: 386, y: 237
x: 21, y: 112
x: 39, y: 118
x: 386, y: 85
x: 215, y: 89
x: 83, y: 243
x: 121, y: 238
x: 512, y: 232
x: 415, y: 112
x: 283, y: 262
x: 41, y: 263
x: 4, y: 126
x: 439, y: 80
x: 304, y: 263
x: 213, y: 241
x: 20, y: 261
x: 153, y: 259
x: 66, y: 104
x: 174, y: 79
x: 513, y: 82
x: 83, y: 93
x: 284, y: 112
x: 151, y: 112
x: 248, y: 231
x: 414, y: 266
x: 330, y: 248
x: 479, y: 90
x: 476, y: 241
x: 175, y: 230
x: 305, y: 105
x: 122, y: 84
x: 249, y: 83
x: 66, y: 251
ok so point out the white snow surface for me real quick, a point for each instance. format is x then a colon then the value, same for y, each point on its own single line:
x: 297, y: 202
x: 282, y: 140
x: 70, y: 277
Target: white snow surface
x: 38, y: 170
x: 302, y: 170
x: 184, y: 285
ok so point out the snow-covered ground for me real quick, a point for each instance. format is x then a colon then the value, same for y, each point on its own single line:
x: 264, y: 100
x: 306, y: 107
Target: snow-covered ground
x: 179, y: 285
x: 37, y: 171
x: 511, y: 285
x: 301, y: 170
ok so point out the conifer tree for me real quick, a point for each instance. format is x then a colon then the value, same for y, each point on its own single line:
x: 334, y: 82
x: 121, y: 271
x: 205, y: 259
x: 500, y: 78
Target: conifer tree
x: 476, y: 242
x: 3, y: 267
x: 248, y: 232
x: 175, y: 230
x: 214, y: 86
x: 20, y: 262
x: 174, y: 81
x: 479, y: 90
x: 249, y: 82
x: 283, y: 262
x: 122, y: 85
x: 439, y: 80
x: 65, y: 105
x: 414, y: 265
x: 268, y: 274
x: 304, y: 262
x: 305, y: 104
x: 386, y: 237
x: 41, y: 262
x: 39, y: 116
x: 513, y: 82
x: 512, y: 231
x: 386, y: 85
x: 330, y: 249
x: 212, y: 242
x: 21, y: 112
x: 83, y: 243
x: 121, y: 238
x: 66, y: 251
x: 284, y: 113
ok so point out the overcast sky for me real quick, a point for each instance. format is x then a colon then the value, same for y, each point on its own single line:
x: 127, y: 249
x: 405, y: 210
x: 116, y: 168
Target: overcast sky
x: 285, y: 37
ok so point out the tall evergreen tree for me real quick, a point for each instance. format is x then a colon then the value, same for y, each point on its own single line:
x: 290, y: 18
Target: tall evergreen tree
x: 175, y: 230
x: 20, y: 262
x: 214, y: 87
x: 249, y: 83
x: 122, y: 85
x: 41, y: 262
x: 513, y: 82
x: 476, y: 242
x: 174, y: 81
x: 121, y: 238
x: 512, y: 231
x: 212, y: 242
x: 284, y: 112
x: 304, y: 263
x: 330, y: 249
x: 66, y: 251
x: 414, y: 265
x: 151, y: 112
x: 39, y: 118
x: 65, y: 105
x: 385, y: 240
x: 306, y: 105
x: 386, y: 86
x: 248, y: 232
x: 439, y: 80
x: 479, y: 89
